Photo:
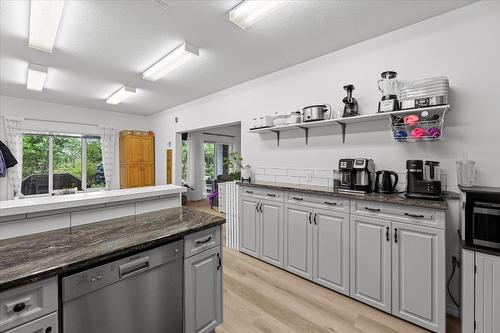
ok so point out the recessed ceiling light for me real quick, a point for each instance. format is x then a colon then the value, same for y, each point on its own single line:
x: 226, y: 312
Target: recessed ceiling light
x: 179, y: 56
x: 37, y: 74
x: 250, y: 11
x: 120, y: 95
x: 45, y: 16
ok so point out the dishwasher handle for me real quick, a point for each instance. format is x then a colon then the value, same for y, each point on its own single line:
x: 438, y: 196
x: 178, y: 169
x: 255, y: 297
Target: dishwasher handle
x: 134, y: 267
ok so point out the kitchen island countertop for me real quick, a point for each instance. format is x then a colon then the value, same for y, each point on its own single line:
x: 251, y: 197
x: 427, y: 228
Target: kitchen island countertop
x: 398, y: 199
x: 34, y: 257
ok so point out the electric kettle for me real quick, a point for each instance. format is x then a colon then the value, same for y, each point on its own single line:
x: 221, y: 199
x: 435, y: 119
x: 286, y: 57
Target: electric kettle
x: 384, y: 182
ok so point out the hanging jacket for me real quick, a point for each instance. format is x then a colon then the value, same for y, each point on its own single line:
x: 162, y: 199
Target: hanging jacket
x: 3, y: 167
x: 9, y: 159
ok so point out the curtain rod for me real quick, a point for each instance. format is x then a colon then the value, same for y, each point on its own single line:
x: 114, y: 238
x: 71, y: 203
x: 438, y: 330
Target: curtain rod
x: 229, y: 136
x: 62, y: 122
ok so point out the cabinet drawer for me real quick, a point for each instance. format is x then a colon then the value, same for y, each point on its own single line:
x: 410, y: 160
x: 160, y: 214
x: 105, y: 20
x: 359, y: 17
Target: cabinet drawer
x: 201, y: 241
x: 318, y: 201
x: 399, y: 213
x: 261, y: 193
x: 25, y: 303
x: 45, y: 324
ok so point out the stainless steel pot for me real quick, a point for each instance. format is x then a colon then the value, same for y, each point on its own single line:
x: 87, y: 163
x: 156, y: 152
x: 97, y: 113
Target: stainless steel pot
x: 316, y: 112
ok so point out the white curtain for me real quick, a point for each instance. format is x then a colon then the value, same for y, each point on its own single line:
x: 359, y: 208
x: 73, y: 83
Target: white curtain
x: 14, y: 139
x: 196, y: 166
x: 108, y: 144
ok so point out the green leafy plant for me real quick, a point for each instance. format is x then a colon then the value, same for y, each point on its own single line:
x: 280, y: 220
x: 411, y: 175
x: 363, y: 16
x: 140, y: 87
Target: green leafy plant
x: 234, y: 163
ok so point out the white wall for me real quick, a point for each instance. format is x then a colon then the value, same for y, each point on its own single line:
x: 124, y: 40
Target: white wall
x: 49, y: 111
x: 462, y: 44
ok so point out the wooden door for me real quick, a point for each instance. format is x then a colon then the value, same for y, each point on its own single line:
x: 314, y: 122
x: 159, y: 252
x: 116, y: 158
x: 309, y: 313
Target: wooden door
x: 132, y: 175
x: 130, y: 149
x: 203, y: 292
x: 487, y: 314
x: 298, y: 240
x: 169, y: 166
x: 370, y: 258
x: 147, y: 149
x: 249, y: 226
x: 271, y: 232
x: 331, y: 250
x: 147, y: 175
x: 418, y: 275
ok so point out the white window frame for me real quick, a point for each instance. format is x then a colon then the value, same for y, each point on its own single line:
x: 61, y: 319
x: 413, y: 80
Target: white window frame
x: 83, y: 142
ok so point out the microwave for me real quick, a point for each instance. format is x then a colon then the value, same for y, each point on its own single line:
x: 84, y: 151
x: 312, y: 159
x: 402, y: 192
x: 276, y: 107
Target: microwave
x: 486, y: 224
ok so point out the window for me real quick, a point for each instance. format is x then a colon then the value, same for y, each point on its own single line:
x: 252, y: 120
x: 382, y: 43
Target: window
x: 58, y: 162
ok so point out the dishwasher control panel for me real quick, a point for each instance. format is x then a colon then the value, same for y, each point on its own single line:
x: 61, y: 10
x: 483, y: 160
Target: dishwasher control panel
x: 95, y: 278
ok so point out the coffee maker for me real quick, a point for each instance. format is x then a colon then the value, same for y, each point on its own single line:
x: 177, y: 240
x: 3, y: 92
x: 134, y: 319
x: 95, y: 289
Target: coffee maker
x: 356, y: 175
x: 418, y: 186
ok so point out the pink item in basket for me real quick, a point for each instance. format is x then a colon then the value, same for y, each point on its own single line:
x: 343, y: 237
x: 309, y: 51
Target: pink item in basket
x: 434, y: 132
x: 418, y: 133
x: 411, y: 119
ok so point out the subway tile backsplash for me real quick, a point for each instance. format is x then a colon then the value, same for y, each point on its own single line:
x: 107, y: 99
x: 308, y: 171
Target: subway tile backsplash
x: 321, y: 177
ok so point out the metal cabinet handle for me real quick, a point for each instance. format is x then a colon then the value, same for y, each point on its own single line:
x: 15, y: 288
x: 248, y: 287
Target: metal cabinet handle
x: 387, y: 234
x: 48, y: 329
x: 297, y: 198
x: 206, y: 240
x: 136, y: 266
x: 219, y: 264
x: 372, y: 209
x: 19, y: 307
x: 310, y: 216
x: 395, y: 235
x: 331, y: 203
x: 261, y: 208
x: 315, y: 218
x: 271, y: 194
x: 249, y: 192
x: 413, y: 215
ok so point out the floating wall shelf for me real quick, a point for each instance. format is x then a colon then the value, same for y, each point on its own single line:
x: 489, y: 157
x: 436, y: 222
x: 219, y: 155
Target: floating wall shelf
x: 343, y: 122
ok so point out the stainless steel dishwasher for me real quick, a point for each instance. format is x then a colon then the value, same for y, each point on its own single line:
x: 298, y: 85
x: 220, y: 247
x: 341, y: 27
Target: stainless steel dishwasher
x: 140, y: 293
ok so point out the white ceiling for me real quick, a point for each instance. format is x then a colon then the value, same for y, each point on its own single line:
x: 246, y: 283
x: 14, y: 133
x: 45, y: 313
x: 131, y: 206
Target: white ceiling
x: 104, y: 44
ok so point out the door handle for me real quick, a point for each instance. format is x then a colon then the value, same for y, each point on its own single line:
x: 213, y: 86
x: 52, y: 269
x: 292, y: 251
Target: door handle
x: 261, y: 209
x: 395, y: 235
x: 331, y: 203
x: 136, y: 266
x: 249, y: 192
x: 206, y: 240
x: 315, y: 219
x: 372, y: 209
x: 413, y: 215
x: 310, y: 216
x: 297, y: 198
x: 271, y: 195
x: 219, y: 264
x: 387, y: 233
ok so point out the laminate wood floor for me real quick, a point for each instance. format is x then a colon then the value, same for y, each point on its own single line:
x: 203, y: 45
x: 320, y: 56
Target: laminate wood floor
x: 261, y: 298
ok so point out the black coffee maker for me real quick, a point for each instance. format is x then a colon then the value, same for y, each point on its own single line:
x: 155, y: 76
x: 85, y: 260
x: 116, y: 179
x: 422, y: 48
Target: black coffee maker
x: 417, y: 186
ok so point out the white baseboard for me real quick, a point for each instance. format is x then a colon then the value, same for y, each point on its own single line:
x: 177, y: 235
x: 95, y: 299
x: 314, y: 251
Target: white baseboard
x: 451, y: 309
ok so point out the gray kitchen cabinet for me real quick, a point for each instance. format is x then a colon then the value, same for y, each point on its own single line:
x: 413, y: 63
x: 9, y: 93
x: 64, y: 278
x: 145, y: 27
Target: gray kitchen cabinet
x: 487, y: 296
x: 271, y: 232
x: 249, y: 226
x: 370, y: 256
x: 418, y: 279
x: 203, y: 291
x: 331, y: 250
x: 298, y: 240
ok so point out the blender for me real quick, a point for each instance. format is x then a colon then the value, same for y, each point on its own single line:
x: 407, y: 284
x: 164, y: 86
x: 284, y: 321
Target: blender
x: 388, y: 85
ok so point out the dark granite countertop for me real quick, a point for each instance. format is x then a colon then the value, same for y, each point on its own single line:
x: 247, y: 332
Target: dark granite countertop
x: 34, y: 257
x: 398, y: 199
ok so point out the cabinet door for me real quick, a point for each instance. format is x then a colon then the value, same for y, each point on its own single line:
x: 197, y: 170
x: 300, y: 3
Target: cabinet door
x: 130, y: 149
x: 134, y: 176
x: 203, y: 292
x: 298, y: 240
x: 331, y: 250
x: 418, y: 275
x: 487, y: 293
x: 271, y: 233
x: 147, y: 175
x: 249, y: 227
x: 147, y: 149
x: 370, y: 261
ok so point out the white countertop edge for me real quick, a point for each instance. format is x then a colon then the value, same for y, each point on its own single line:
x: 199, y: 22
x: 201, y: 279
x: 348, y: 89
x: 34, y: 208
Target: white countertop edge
x: 46, y: 203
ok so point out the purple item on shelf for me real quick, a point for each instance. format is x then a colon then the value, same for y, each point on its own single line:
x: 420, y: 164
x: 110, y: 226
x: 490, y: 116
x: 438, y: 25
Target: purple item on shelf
x: 434, y: 132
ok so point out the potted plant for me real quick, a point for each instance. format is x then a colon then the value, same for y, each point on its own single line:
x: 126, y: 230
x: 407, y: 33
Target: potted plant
x: 237, y: 171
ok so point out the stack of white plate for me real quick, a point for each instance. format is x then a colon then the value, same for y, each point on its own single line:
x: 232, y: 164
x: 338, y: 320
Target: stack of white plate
x: 437, y: 86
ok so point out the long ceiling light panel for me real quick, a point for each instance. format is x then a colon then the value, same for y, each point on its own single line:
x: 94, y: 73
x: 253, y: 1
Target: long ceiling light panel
x: 120, y: 95
x: 248, y: 12
x: 45, y: 16
x: 37, y: 75
x: 179, y: 56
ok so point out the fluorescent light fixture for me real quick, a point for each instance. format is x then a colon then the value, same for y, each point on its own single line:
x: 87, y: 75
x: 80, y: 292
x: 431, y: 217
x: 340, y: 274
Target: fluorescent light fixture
x: 45, y: 16
x: 250, y: 11
x: 120, y: 95
x: 37, y: 75
x: 178, y: 57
